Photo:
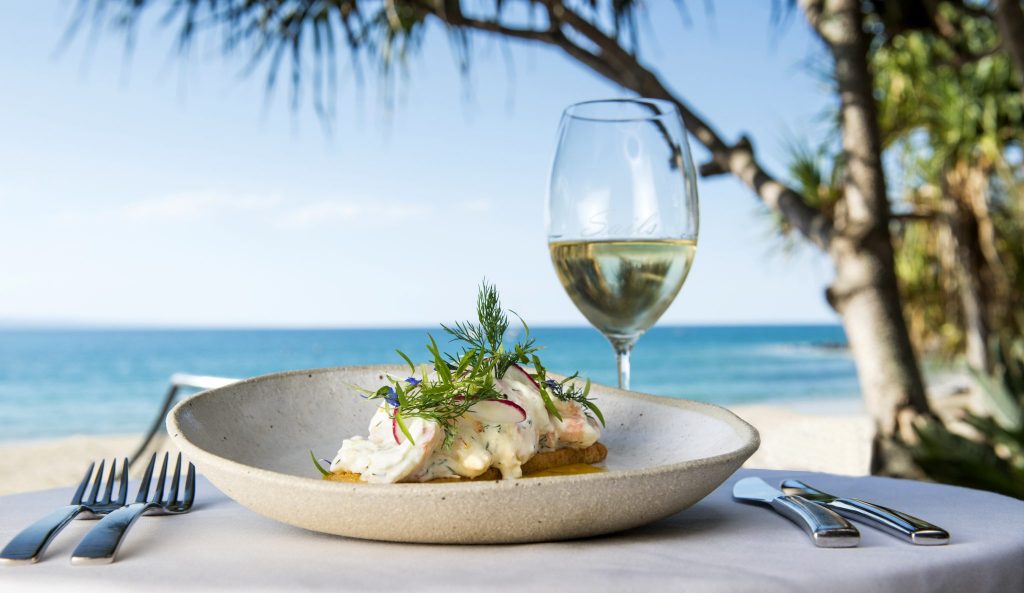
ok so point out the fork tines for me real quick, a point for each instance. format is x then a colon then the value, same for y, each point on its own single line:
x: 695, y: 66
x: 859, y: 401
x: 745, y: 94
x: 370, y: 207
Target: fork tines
x: 101, y: 544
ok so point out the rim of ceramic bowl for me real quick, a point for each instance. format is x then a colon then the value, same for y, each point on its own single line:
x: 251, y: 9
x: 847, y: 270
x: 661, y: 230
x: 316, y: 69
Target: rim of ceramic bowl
x: 747, y: 434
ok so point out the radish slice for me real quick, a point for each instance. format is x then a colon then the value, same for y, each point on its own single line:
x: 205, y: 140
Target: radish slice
x: 498, y: 411
x: 528, y: 376
x: 396, y: 432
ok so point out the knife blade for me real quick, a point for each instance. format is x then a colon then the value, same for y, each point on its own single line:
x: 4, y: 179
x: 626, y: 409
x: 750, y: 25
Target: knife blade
x: 912, y: 529
x: 826, y: 528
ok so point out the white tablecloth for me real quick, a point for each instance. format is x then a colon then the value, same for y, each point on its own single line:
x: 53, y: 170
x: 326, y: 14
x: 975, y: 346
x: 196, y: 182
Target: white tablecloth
x: 717, y: 545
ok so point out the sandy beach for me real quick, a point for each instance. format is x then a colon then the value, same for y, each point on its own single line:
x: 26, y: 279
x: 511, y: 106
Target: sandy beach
x: 827, y: 436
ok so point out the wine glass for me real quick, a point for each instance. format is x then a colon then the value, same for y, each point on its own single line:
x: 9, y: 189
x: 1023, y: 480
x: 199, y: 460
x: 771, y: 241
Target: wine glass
x: 622, y: 215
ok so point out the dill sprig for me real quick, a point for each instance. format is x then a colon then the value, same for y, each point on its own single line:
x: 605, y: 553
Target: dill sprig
x: 488, y: 334
x: 568, y: 390
x: 459, y: 381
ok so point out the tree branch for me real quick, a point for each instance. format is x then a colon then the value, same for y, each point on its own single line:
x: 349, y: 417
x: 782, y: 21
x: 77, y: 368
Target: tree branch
x: 461, y: 20
x: 616, y: 64
x: 738, y: 159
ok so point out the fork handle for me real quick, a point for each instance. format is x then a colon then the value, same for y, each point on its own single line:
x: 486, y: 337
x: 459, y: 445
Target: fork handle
x: 101, y: 543
x: 29, y: 545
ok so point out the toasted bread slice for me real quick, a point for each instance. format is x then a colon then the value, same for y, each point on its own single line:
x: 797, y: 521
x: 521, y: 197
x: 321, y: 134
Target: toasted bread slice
x: 545, y: 460
x: 595, y: 453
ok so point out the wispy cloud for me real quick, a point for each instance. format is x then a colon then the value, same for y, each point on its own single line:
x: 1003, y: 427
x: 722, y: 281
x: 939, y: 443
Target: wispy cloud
x: 194, y: 207
x: 267, y: 209
x: 335, y: 212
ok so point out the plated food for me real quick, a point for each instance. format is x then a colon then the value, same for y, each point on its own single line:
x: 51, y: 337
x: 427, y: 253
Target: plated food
x: 487, y: 411
x: 251, y: 439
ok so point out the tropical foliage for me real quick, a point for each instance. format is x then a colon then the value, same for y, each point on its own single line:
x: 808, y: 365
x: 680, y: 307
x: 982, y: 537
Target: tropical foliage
x: 951, y: 116
x: 986, y: 450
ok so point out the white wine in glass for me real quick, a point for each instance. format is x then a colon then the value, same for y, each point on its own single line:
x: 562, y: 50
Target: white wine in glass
x: 622, y: 215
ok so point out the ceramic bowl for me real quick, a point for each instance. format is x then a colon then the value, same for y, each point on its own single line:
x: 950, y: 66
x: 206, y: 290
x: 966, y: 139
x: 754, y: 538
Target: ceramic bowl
x: 253, y: 439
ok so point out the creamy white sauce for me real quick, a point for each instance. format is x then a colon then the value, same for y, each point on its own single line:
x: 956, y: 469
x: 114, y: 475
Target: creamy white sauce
x: 476, y: 447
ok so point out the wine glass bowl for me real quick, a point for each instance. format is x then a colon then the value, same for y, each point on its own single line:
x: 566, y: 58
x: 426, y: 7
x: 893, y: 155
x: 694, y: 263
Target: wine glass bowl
x: 622, y: 215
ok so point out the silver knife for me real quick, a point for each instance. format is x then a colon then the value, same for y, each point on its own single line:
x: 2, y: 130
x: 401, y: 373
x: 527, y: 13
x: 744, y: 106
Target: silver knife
x: 914, y: 530
x: 826, y: 528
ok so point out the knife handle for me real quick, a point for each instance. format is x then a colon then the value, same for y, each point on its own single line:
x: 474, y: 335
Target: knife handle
x: 826, y: 528
x: 914, y: 530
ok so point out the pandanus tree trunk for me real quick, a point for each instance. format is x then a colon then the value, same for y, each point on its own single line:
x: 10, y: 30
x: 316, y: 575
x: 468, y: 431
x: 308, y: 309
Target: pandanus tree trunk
x: 969, y: 287
x: 865, y: 291
x: 976, y: 274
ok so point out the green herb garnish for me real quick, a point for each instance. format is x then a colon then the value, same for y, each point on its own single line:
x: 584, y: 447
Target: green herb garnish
x: 462, y: 380
x: 316, y: 462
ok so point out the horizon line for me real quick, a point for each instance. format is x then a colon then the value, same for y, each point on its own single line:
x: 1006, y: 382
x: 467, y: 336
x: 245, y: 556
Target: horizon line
x: 87, y: 326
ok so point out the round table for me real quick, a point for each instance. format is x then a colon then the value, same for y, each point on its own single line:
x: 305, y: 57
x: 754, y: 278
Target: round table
x: 716, y: 545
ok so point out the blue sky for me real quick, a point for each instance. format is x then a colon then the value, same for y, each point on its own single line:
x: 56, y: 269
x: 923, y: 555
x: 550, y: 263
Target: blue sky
x: 154, y: 191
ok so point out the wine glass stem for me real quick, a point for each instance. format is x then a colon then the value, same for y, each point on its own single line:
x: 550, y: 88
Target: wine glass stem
x: 622, y: 362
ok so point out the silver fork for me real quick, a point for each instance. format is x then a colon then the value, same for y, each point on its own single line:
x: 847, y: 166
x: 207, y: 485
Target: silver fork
x: 100, y: 545
x: 29, y: 545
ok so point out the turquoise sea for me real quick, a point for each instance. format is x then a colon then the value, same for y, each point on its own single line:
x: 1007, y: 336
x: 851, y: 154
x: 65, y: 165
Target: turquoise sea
x: 58, y: 382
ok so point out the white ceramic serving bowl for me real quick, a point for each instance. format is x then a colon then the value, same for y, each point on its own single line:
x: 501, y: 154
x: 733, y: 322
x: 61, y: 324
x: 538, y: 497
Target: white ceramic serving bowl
x: 252, y: 440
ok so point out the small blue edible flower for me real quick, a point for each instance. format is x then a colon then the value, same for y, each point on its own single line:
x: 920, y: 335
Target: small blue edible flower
x: 391, y: 397
x: 413, y: 381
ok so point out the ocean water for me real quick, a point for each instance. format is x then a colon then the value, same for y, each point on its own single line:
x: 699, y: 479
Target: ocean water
x: 58, y: 382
